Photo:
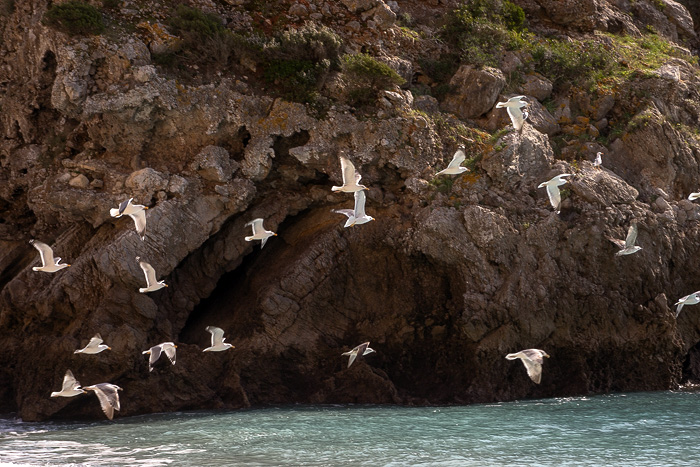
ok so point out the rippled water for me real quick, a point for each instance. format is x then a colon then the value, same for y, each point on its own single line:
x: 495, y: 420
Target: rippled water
x: 661, y: 428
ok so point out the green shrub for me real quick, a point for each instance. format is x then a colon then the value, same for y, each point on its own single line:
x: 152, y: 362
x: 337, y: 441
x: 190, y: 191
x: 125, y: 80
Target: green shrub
x: 194, y: 24
x: 75, y: 18
x: 367, y: 76
x: 562, y: 61
x: 513, y: 16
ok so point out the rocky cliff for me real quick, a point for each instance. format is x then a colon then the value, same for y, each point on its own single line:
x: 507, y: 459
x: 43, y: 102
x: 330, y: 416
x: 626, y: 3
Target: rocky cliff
x: 206, y: 130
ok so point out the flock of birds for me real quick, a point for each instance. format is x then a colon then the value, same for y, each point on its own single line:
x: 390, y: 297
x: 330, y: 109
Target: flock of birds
x: 532, y: 359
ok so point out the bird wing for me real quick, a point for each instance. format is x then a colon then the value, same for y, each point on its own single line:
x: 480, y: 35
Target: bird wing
x: 598, y: 159
x: 348, y: 212
x: 361, y: 348
x: 256, y: 224
x: 45, y: 251
x: 155, y: 355
x: 554, y: 196
x: 348, y: 171
x: 631, y: 235
x: 457, y: 159
x: 69, y: 382
x: 534, y: 369
x: 95, y: 341
x: 217, y: 335
x: 170, y: 352
x: 124, y: 205
x: 360, y: 203
x: 352, y: 354
x: 516, y: 116
x: 560, y: 179
x: 517, y: 99
x: 139, y: 218
x: 108, y: 397
x: 149, y: 272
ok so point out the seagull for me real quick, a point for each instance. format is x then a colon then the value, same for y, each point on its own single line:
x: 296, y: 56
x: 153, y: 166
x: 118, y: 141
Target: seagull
x: 94, y: 346
x: 598, y: 162
x: 694, y: 196
x: 108, y: 396
x: 692, y: 299
x: 553, y: 190
x: 155, y: 351
x: 151, y: 283
x: 362, y: 349
x: 48, y: 262
x: 136, y: 212
x: 628, y: 247
x: 259, y: 232
x: 516, y: 115
x: 532, y: 359
x: 351, y: 178
x: 217, y: 340
x: 71, y: 386
x: 356, y: 216
x: 453, y: 167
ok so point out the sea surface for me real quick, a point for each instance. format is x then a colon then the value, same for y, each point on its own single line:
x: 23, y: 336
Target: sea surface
x: 640, y: 429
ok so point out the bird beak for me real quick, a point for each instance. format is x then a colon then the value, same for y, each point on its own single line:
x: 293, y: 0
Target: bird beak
x: 109, y: 348
x: 176, y: 347
x: 145, y: 207
x: 67, y: 264
x: 165, y: 285
x: 275, y: 235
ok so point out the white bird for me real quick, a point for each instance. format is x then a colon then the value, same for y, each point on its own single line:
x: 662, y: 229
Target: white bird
x: 217, y: 340
x: 108, y: 396
x: 152, y: 283
x: 553, y: 190
x: 362, y: 349
x: 70, y: 388
x: 627, y: 247
x: 532, y: 359
x: 692, y: 299
x: 166, y: 347
x: 351, y: 178
x: 598, y: 160
x: 136, y: 212
x: 259, y: 232
x: 694, y: 196
x: 94, y: 346
x: 513, y: 106
x: 48, y: 262
x: 356, y: 216
x: 453, y: 167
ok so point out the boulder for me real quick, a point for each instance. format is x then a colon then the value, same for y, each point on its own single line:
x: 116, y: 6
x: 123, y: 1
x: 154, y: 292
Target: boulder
x: 475, y: 91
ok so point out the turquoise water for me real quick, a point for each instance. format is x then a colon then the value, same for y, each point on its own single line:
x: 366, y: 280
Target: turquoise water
x: 661, y: 428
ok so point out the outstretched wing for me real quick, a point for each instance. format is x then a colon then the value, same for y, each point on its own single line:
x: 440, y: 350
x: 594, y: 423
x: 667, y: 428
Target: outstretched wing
x: 95, y: 341
x: 554, y: 196
x: 155, y: 355
x: 217, y: 335
x: 516, y: 117
x: 123, y: 205
x: 348, y: 170
x: 352, y: 354
x: 348, y: 212
x: 534, y: 369
x: 256, y: 224
x: 631, y: 235
x: 108, y: 397
x: 139, y: 218
x: 170, y: 352
x: 457, y: 159
x: 69, y: 382
x: 45, y: 251
x: 149, y: 272
x: 360, y: 203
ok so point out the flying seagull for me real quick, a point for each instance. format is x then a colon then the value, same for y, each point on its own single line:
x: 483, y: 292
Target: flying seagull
x: 351, y: 178
x: 259, y: 232
x: 48, y: 262
x: 513, y: 106
x: 94, y: 346
x: 532, y: 359
x: 71, y: 386
x: 362, y: 349
x: 152, y: 283
x: 167, y: 347
x: 692, y: 299
x: 627, y: 247
x: 356, y: 216
x: 217, y: 340
x: 553, y: 190
x: 136, y: 212
x: 453, y: 167
x: 598, y: 162
x: 108, y: 396
x: 694, y: 196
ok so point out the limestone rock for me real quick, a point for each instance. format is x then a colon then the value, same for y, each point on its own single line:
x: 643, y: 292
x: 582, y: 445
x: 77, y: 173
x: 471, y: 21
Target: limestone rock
x: 476, y: 91
x: 215, y: 164
x: 79, y: 181
x: 146, y: 180
x: 537, y: 86
x: 602, y: 187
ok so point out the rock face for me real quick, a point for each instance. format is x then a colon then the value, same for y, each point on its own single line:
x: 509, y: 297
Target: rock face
x: 454, y: 273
